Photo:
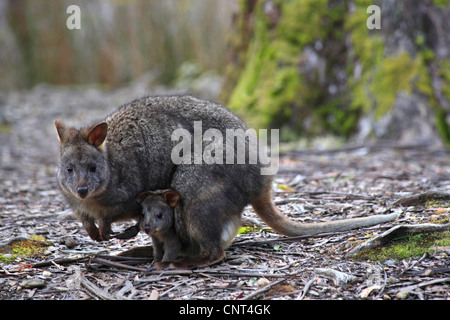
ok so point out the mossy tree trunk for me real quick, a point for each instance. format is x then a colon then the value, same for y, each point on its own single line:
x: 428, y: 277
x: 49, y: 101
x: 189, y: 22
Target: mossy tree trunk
x: 313, y: 67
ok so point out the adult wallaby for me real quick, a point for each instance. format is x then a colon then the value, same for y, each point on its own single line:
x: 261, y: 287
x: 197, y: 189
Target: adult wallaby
x: 105, y: 166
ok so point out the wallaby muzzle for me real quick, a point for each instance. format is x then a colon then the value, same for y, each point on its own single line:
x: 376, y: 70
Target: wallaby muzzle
x: 82, y: 192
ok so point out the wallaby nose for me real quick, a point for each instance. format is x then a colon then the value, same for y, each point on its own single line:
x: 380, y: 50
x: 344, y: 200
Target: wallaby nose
x: 82, y: 192
x: 147, y: 229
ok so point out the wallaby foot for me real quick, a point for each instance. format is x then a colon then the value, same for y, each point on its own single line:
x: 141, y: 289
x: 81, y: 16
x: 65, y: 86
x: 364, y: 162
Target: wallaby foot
x: 138, y: 252
x: 162, y: 265
x: 197, y: 262
x: 128, y: 233
x: 92, y: 230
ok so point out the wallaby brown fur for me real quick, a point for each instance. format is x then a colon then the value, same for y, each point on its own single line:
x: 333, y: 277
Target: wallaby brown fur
x: 104, y: 167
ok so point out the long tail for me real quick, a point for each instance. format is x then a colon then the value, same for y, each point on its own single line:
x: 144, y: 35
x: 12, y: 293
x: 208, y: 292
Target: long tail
x: 266, y: 209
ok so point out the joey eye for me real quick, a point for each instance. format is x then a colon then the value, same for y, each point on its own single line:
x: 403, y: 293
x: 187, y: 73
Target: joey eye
x: 92, y: 168
x: 69, y: 169
x: 159, y: 215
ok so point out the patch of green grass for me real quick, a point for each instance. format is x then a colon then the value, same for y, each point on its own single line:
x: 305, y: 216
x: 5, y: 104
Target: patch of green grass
x: 410, y: 246
x: 437, y: 203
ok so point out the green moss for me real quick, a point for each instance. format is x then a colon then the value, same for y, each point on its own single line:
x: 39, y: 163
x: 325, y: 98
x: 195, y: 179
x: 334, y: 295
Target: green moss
x: 269, y: 81
x: 394, y: 75
x: 376, y: 86
x: 280, y: 86
x: 437, y: 203
x: 440, y: 113
x: 444, y: 73
x: 31, y: 247
x: 272, y: 91
x: 411, y: 246
x: 441, y: 3
x: 368, y: 49
x: 381, y: 78
x: 5, y: 128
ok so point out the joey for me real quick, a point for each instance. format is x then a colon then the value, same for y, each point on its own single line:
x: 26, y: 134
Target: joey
x: 158, y: 210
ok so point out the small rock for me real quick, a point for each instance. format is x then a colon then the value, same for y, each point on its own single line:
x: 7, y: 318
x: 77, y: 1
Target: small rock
x: 402, y: 295
x: 46, y: 273
x: 427, y: 272
x: 261, y: 282
x: 390, y: 263
x: 70, y: 243
x: 339, y: 278
x: 154, y: 295
x: 33, y: 283
x: 392, y: 280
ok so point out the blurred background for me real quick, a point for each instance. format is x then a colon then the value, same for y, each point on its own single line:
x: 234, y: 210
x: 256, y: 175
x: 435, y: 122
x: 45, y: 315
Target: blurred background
x: 309, y: 67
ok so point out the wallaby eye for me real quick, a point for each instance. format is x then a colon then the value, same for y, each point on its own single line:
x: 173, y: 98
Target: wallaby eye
x: 92, y: 168
x: 69, y: 169
x: 159, y: 215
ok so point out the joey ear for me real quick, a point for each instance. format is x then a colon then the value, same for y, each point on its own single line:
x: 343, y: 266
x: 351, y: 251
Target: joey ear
x: 97, y: 134
x: 141, y: 197
x: 172, y: 198
x: 60, y: 129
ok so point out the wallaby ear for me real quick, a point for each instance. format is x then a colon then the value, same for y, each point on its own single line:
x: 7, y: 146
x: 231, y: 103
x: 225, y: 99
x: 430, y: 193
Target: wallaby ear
x: 141, y: 197
x: 60, y: 129
x: 97, y: 134
x: 171, y: 197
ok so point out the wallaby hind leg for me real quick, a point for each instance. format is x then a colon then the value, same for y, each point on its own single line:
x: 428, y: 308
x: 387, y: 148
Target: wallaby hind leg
x: 201, y: 235
x: 210, y: 215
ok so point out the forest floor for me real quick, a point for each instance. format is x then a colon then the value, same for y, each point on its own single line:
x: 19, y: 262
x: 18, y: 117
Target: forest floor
x: 46, y: 254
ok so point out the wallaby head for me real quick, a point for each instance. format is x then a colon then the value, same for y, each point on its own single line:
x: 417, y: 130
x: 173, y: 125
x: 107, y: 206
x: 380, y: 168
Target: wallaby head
x: 83, y: 169
x: 158, y: 211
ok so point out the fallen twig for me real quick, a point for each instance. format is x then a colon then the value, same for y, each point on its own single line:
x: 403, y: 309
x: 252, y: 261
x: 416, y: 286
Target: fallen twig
x: 116, y: 264
x: 60, y: 261
x: 203, y: 272
x: 266, y: 288
x: 126, y: 260
x: 339, y: 278
x: 421, y: 199
x: 92, y: 288
x: 263, y: 290
x: 424, y: 284
x: 306, y: 288
x: 284, y: 239
x: 383, y: 286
